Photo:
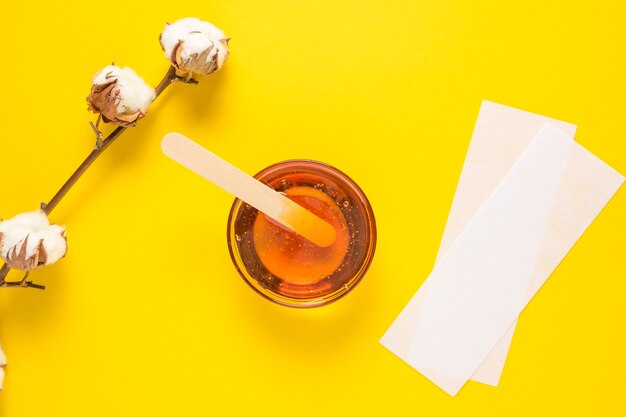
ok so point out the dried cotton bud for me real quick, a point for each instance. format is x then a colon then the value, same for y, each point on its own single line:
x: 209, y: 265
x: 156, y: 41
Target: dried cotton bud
x: 194, y: 47
x: 3, y: 363
x: 120, y: 95
x: 28, y: 241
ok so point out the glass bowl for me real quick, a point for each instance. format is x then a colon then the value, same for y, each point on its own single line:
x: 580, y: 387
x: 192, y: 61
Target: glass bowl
x: 286, y: 268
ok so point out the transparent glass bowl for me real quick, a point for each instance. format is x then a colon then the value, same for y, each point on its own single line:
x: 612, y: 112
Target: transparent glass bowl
x: 286, y: 268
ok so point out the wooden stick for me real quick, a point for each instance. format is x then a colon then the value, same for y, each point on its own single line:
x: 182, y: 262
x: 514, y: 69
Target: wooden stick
x: 275, y: 205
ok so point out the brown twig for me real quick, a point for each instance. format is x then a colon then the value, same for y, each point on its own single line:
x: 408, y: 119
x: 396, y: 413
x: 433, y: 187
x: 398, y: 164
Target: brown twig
x: 20, y: 284
x: 100, y: 147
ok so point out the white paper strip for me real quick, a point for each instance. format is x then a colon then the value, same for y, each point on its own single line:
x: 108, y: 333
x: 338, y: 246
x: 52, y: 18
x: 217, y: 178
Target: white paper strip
x: 477, y: 290
x: 500, y: 136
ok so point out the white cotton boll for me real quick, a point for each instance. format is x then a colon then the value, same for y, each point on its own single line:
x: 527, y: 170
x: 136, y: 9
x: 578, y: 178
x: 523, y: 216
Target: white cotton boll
x: 34, y: 219
x: 177, y: 31
x: 135, y: 95
x: 13, y: 238
x: 182, y: 29
x: 119, y: 95
x: 15, y: 229
x: 28, y: 241
x: 194, y: 46
x: 53, y: 240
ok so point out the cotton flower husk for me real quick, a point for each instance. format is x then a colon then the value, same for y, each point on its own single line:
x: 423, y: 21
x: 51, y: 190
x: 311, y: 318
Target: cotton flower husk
x: 28, y: 241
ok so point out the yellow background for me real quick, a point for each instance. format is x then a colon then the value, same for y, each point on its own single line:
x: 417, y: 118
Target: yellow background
x: 147, y: 316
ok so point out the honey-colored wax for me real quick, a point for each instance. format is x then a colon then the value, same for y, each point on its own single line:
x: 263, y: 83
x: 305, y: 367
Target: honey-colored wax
x: 293, y: 258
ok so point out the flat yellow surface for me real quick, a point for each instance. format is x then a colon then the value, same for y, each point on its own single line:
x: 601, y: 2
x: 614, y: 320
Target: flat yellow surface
x: 146, y: 316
